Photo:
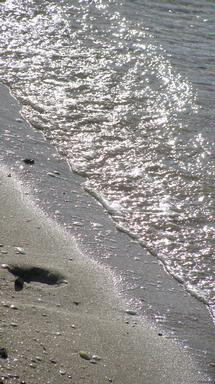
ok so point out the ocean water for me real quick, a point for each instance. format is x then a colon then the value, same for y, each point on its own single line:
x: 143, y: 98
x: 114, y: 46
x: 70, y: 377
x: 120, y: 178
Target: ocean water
x: 124, y: 90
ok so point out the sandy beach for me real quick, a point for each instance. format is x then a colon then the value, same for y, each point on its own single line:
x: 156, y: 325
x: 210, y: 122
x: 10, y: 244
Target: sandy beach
x: 76, y: 331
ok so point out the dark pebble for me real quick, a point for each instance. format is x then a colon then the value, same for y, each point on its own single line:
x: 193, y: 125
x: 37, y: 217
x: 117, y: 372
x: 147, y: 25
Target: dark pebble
x: 160, y: 334
x: 76, y: 302
x: 3, y: 353
x: 28, y: 161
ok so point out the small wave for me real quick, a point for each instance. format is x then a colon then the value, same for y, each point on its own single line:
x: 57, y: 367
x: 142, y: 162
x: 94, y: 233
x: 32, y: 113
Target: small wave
x: 114, y: 208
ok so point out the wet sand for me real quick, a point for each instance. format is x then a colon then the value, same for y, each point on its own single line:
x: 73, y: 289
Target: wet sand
x: 45, y: 328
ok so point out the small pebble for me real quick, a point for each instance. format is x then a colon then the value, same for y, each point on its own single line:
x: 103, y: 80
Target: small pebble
x: 12, y: 306
x: 5, y: 304
x: 51, y: 174
x: 14, y: 325
x: 53, y: 361
x: 20, y: 251
x: 96, y: 357
x: 62, y: 372
x: 4, y: 252
x: 13, y: 375
x: 1, y: 245
x: 84, y: 355
x: 28, y: 161
x: 92, y: 361
x: 131, y: 312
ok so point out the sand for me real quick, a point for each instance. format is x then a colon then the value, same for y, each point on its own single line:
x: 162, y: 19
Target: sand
x: 45, y: 328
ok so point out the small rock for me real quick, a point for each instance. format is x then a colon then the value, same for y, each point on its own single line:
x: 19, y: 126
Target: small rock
x: 6, y: 305
x: 3, y: 353
x: 9, y: 175
x: 29, y: 161
x: 160, y: 334
x: 96, y: 357
x: 4, y: 252
x: 131, y: 312
x: 85, y: 355
x: 14, y: 325
x: 92, y: 361
x: 12, y: 306
x: 53, y: 361
x: 62, y: 372
x: 1, y: 245
x: 76, y: 302
x: 108, y: 379
x: 20, y: 251
x: 51, y: 174
x: 13, y: 375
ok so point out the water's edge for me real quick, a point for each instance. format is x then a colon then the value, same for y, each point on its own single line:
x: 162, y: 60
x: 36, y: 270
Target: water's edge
x: 145, y: 281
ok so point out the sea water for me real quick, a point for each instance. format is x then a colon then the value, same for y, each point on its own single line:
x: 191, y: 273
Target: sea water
x: 124, y: 90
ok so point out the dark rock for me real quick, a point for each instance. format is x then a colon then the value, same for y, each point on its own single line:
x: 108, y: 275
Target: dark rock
x: 3, y: 353
x: 28, y: 161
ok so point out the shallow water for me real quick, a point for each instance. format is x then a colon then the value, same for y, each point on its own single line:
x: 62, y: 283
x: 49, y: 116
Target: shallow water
x: 124, y: 90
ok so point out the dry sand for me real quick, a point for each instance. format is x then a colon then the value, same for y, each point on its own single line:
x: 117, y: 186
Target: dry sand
x: 45, y: 327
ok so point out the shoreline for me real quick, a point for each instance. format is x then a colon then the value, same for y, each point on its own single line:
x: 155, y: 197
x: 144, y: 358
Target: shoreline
x: 46, y: 330
x: 96, y: 234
